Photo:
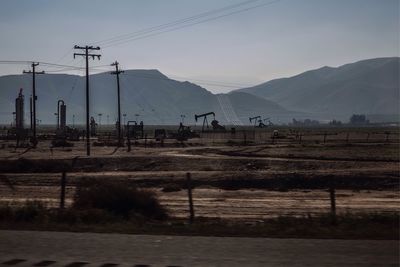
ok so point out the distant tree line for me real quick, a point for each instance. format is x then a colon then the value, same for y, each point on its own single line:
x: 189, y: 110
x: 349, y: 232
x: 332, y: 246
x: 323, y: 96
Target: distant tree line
x: 358, y: 119
x: 355, y: 119
x: 306, y: 122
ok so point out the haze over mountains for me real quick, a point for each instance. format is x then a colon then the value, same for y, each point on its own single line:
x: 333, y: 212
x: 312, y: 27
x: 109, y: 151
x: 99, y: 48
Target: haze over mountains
x: 366, y: 87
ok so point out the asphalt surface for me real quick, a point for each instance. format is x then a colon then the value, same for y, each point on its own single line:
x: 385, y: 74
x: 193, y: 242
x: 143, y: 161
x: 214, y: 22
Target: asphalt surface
x: 31, y: 248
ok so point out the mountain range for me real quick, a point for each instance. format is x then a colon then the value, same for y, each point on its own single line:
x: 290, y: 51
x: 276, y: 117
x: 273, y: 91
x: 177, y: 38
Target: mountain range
x: 366, y: 87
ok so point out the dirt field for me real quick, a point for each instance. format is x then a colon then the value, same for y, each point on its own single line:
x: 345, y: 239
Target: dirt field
x: 249, y: 177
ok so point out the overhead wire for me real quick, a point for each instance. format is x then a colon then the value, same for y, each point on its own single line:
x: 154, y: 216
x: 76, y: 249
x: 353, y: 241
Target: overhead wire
x: 58, y: 68
x: 206, y: 82
x: 130, y: 39
x: 169, y: 24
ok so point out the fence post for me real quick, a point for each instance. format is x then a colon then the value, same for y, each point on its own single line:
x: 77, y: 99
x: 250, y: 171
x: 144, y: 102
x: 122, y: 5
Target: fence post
x: 325, y: 137
x: 189, y: 188
x: 367, y: 137
x: 129, y: 142
x: 347, y: 137
x: 62, y: 194
x: 333, y: 204
x: 387, y: 137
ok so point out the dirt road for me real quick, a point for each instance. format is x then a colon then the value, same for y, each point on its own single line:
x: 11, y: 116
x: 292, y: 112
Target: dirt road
x: 26, y: 248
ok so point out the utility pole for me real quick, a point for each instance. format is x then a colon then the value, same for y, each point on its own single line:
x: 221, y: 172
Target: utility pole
x: 117, y: 72
x: 34, y: 97
x: 87, y: 55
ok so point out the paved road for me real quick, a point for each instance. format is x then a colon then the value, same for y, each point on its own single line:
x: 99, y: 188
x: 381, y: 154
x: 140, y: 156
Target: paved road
x: 30, y: 248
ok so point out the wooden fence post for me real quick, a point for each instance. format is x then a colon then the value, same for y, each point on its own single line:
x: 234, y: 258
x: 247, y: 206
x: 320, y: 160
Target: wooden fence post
x: 333, y: 204
x: 189, y: 188
x: 63, y: 185
x: 387, y: 137
x: 325, y: 137
x: 129, y: 142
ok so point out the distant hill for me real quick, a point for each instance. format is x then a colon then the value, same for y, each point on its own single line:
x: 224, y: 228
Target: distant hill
x: 149, y: 93
x: 367, y: 87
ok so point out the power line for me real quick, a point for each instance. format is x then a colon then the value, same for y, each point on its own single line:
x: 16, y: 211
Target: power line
x: 170, y: 24
x: 130, y: 39
x: 66, y: 68
x: 207, y: 82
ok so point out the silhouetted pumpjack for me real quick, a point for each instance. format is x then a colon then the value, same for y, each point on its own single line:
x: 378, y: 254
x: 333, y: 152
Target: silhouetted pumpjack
x: 205, y: 121
x: 255, y: 119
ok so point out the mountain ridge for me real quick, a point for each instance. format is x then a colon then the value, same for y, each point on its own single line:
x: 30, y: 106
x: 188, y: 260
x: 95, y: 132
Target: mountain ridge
x: 325, y: 93
x: 367, y: 86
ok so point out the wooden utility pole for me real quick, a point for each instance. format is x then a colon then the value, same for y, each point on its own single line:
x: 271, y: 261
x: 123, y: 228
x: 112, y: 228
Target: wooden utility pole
x: 117, y: 72
x: 34, y: 97
x: 87, y: 55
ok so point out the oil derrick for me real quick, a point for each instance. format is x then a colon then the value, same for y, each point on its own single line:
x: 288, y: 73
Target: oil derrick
x: 63, y: 132
x: 19, y: 111
x: 93, y: 126
x: 61, y: 115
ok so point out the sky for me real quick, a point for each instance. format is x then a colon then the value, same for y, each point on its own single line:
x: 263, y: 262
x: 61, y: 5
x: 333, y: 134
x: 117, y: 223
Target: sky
x: 277, y: 39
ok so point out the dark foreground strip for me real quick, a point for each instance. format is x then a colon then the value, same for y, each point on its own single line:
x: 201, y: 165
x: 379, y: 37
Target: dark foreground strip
x: 44, y: 263
x: 13, y: 262
x: 77, y: 264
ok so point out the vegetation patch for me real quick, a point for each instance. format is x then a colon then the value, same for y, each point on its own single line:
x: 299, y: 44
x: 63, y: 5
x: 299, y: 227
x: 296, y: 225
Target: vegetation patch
x: 118, y: 198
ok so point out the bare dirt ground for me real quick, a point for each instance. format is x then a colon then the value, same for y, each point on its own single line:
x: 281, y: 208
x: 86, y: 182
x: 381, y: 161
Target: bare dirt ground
x: 232, y: 179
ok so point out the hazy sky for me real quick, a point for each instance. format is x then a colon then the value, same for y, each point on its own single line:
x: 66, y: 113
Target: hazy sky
x: 273, y: 41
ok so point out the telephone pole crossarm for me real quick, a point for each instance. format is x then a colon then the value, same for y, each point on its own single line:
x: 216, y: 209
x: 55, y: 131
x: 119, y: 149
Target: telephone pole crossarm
x: 117, y: 72
x: 34, y: 98
x: 93, y: 56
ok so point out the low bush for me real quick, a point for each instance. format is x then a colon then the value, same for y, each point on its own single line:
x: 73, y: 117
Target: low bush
x: 119, y: 199
x: 31, y: 211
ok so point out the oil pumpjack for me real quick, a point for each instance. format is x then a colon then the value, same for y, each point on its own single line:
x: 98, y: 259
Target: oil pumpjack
x: 214, y: 123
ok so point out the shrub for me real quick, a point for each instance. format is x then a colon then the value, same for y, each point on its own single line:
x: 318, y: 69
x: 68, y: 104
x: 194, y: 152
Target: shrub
x: 29, y: 212
x: 118, y: 198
